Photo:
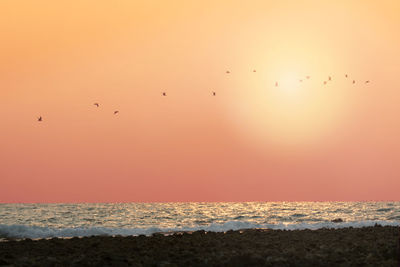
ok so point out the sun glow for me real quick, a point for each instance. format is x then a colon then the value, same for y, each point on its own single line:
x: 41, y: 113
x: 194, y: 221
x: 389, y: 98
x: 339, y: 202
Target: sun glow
x: 293, y: 111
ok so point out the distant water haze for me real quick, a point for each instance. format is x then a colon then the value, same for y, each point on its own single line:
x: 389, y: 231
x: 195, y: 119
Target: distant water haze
x: 251, y: 141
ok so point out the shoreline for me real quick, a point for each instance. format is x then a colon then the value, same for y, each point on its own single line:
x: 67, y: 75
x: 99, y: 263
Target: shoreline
x: 20, y: 232
x: 373, y: 246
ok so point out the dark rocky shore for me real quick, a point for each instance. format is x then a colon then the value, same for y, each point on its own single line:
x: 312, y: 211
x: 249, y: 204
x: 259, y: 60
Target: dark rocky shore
x: 369, y: 246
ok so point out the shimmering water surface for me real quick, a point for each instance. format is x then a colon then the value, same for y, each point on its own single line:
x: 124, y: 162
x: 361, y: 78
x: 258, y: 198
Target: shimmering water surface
x: 67, y: 220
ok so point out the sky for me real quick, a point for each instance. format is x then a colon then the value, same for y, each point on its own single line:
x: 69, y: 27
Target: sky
x: 252, y: 141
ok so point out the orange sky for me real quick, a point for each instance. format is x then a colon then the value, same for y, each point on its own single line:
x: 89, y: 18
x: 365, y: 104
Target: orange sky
x: 252, y: 141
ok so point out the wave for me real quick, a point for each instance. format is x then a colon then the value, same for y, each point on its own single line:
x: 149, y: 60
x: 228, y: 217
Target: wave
x: 384, y: 209
x: 36, y: 232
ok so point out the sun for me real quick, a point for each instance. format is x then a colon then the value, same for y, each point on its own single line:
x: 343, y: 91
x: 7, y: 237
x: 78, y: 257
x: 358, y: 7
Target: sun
x: 289, y: 82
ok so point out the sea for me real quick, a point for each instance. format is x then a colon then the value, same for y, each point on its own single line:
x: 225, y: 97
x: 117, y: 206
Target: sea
x: 38, y: 221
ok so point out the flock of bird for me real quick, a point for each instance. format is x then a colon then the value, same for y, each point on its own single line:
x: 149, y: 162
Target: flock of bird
x: 40, y: 119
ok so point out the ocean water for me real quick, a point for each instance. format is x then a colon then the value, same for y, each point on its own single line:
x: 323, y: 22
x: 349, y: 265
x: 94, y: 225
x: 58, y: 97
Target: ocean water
x: 70, y: 220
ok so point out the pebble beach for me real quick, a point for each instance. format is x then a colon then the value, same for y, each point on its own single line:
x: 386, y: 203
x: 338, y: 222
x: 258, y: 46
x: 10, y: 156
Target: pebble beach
x: 367, y: 246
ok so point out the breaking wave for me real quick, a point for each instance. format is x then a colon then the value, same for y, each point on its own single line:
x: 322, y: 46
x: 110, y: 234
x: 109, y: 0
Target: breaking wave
x: 37, y: 232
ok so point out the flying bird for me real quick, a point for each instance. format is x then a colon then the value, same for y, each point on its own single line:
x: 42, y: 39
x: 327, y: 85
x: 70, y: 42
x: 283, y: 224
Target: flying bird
x: 228, y: 72
x: 213, y: 93
x: 276, y: 84
x: 308, y: 77
x: 329, y: 78
x: 164, y: 94
x: 324, y: 82
x: 40, y: 118
x: 354, y: 81
x: 366, y: 81
x: 346, y: 75
x: 300, y: 80
x: 96, y: 104
x: 116, y: 112
x: 254, y: 71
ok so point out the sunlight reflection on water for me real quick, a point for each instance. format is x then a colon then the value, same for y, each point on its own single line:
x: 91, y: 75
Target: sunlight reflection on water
x: 170, y: 215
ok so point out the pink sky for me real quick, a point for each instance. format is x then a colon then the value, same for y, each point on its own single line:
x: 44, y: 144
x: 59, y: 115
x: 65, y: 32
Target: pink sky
x: 251, y: 142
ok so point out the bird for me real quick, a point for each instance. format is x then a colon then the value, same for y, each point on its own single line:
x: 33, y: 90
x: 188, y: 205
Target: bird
x: 308, y: 77
x: 300, y: 80
x: 254, y: 71
x: 346, y: 75
x: 96, y: 104
x: 40, y: 118
x: 324, y: 82
x: 228, y: 72
x: 354, y: 81
x: 276, y: 84
x: 329, y: 78
x: 116, y: 112
x: 366, y: 81
x: 164, y: 94
x: 213, y: 93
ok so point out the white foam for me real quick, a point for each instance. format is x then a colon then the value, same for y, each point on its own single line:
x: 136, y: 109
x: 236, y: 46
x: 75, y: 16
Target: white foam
x: 34, y: 232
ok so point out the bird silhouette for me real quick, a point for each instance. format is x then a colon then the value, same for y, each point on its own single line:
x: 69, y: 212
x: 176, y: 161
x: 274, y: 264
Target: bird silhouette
x: 366, y: 81
x: 329, y: 78
x: 116, y: 112
x: 324, y: 82
x: 214, y: 94
x: 354, y: 81
x: 308, y: 77
x: 96, y: 104
x: 164, y: 94
x: 346, y: 75
x: 40, y: 118
x: 276, y: 84
x: 254, y: 71
x: 228, y: 72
